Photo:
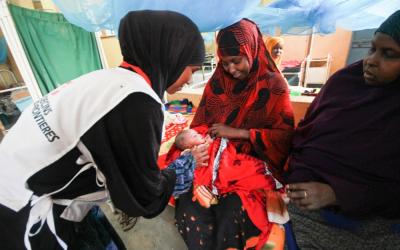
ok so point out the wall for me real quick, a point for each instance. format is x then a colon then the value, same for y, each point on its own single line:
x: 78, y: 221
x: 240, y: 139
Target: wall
x: 48, y: 5
x: 35, y: 4
x: 295, y: 48
x: 23, y: 3
x: 112, y: 51
x: 336, y: 44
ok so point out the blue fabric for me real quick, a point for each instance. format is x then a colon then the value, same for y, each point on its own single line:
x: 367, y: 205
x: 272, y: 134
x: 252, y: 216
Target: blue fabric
x: 396, y: 228
x: 3, y: 50
x: 292, y: 16
x: 290, y: 239
x: 111, y: 246
x: 339, y: 221
x: 343, y: 222
x: 184, y: 168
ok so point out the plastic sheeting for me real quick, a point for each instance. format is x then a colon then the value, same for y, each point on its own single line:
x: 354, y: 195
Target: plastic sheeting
x: 322, y: 16
x: 209, y: 15
x: 3, y: 50
x: 292, y: 16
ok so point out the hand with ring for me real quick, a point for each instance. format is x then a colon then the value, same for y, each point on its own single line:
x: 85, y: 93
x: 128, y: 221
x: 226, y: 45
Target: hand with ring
x: 310, y: 195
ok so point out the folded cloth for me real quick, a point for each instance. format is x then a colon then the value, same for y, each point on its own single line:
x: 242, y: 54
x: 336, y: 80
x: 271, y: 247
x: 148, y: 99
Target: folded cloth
x: 276, y: 207
x: 204, y: 196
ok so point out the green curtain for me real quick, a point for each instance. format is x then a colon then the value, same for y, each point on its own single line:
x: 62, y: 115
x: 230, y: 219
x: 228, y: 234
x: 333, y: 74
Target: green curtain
x: 57, y: 50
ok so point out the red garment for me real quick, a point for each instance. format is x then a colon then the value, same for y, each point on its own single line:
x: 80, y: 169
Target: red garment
x: 239, y: 173
x: 261, y: 104
x: 137, y: 70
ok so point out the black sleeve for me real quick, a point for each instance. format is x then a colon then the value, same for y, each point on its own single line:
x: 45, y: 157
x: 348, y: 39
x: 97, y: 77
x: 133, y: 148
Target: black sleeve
x: 125, y: 145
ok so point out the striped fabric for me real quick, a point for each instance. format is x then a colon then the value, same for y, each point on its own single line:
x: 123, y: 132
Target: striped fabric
x: 184, y: 168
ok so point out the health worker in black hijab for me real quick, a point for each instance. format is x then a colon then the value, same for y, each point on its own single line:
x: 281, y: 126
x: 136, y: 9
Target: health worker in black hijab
x: 161, y: 49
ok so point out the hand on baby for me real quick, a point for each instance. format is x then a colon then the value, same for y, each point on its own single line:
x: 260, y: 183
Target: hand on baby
x: 208, y: 140
x: 200, y: 154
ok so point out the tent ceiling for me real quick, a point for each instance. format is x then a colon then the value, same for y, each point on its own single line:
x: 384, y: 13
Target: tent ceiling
x: 292, y: 16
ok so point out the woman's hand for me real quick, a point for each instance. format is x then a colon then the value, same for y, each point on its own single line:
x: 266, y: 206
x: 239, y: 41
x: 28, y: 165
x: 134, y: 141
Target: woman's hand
x: 222, y: 130
x: 310, y: 195
x: 200, y: 154
x: 208, y: 139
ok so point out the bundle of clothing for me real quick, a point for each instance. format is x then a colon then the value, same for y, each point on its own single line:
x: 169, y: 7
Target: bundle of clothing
x: 183, y: 106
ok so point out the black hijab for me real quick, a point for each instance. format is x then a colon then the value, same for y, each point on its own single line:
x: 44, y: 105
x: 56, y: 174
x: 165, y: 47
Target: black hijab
x: 391, y: 26
x: 161, y: 43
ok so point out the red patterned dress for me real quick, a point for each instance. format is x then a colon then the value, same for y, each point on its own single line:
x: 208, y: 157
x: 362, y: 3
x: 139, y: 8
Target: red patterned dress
x: 260, y: 103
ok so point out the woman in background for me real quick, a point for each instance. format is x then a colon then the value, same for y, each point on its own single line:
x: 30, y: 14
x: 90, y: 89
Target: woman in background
x: 275, y: 48
x: 344, y: 169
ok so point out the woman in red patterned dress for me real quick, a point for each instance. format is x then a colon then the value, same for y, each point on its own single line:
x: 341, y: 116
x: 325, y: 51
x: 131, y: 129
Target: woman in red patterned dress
x: 246, y: 101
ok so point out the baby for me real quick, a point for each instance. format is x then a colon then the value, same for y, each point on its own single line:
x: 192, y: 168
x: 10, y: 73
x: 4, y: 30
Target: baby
x: 185, y: 141
x: 189, y: 138
x: 185, y: 166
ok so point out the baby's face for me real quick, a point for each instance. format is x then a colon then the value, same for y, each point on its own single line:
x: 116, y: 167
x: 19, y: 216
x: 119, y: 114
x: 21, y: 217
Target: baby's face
x: 193, y: 138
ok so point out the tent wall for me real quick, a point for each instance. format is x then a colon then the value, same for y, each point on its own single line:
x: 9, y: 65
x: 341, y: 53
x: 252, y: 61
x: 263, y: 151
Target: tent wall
x: 42, y: 35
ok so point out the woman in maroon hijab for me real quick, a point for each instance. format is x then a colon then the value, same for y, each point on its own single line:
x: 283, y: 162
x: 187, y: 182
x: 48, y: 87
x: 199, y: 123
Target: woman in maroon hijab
x: 246, y: 101
x: 344, y: 170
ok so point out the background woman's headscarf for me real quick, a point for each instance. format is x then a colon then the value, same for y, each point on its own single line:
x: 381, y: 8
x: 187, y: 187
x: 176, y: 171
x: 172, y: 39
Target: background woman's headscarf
x: 270, y: 42
x: 161, y: 43
x: 391, y: 26
x: 257, y: 103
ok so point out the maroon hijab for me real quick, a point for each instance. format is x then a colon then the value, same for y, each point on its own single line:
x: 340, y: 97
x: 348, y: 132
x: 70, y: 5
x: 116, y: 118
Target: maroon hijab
x: 350, y: 139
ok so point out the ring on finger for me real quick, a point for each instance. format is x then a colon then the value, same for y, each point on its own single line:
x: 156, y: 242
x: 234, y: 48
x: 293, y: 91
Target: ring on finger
x: 305, y: 194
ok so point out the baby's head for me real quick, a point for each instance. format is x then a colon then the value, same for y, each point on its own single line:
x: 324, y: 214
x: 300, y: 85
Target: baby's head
x: 188, y: 138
